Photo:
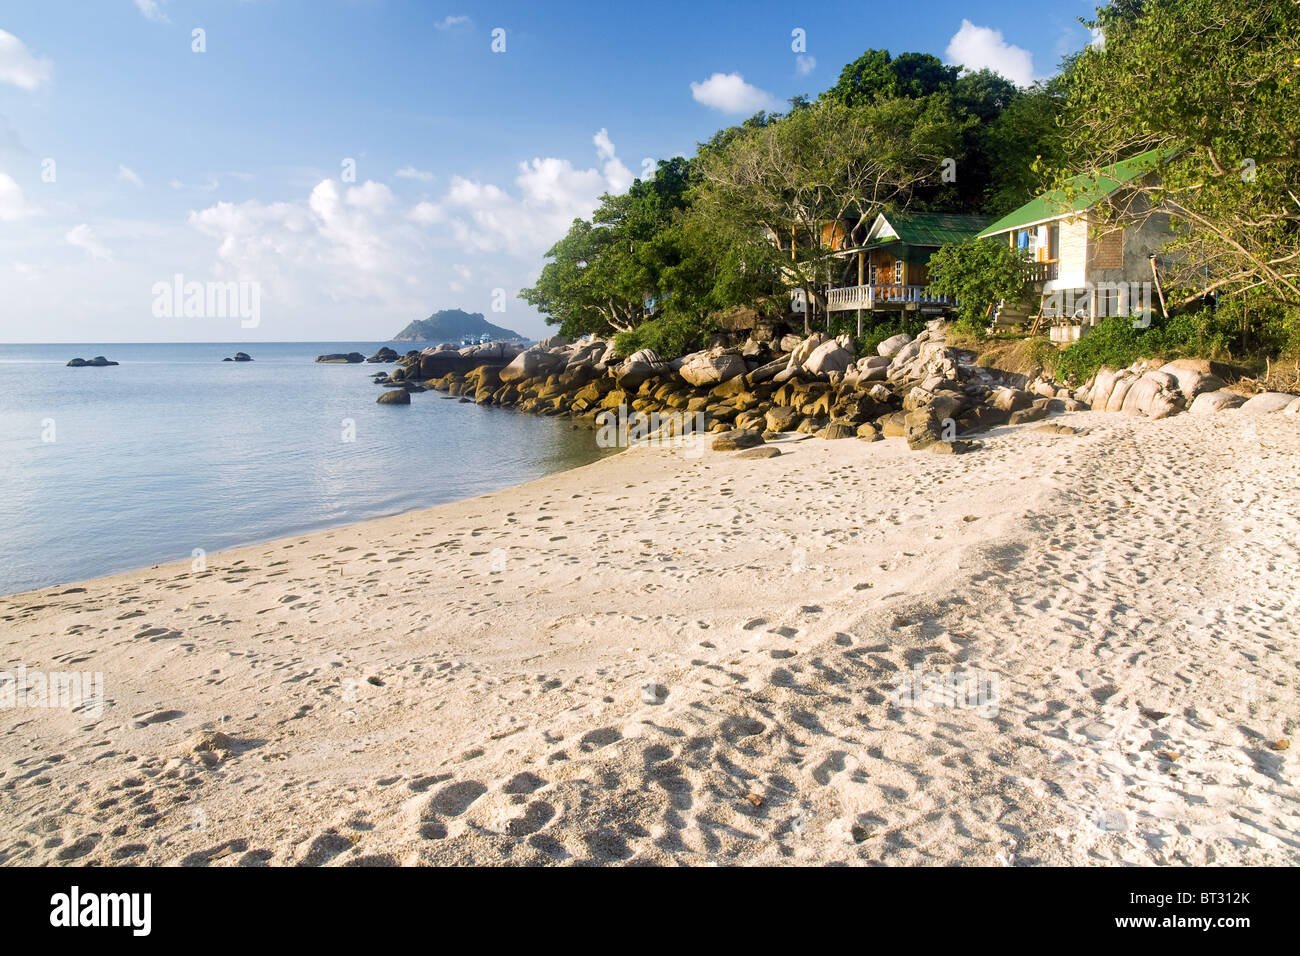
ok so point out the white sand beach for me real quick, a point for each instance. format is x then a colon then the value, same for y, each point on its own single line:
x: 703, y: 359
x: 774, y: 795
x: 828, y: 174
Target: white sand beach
x: 659, y: 659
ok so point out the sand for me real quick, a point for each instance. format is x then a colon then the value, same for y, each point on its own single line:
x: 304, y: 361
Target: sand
x: 668, y: 659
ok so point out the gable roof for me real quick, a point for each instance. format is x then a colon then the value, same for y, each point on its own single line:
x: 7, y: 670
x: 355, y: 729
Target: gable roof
x: 1078, y: 193
x: 924, y: 228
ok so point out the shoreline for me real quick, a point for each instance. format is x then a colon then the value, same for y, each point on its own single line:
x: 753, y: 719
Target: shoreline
x: 262, y: 542
x: 659, y: 659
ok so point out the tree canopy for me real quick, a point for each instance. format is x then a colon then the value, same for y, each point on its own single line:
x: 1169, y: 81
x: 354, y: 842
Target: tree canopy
x: 743, y: 221
x: 1216, y: 85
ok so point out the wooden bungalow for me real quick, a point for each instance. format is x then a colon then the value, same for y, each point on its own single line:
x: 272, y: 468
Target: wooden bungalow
x: 890, y: 260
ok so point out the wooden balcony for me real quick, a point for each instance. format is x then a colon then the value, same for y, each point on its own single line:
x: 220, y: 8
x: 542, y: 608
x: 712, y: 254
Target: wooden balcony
x: 884, y: 297
x: 1044, y: 271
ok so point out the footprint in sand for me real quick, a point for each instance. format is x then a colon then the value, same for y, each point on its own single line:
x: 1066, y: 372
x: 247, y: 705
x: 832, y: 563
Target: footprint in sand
x: 596, y: 739
x: 454, y: 800
x: 325, y: 848
x: 75, y: 851
x: 537, y: 815
x: 523, y: 783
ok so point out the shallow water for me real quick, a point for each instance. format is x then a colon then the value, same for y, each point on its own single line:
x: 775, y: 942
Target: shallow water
x: 110, y: 469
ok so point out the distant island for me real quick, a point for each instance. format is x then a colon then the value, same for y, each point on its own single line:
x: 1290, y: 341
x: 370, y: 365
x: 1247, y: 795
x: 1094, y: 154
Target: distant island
x: 453, y: 325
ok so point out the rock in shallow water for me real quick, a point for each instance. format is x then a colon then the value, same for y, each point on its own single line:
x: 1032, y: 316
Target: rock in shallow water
x: 396, y: 396
x: 97, y: 362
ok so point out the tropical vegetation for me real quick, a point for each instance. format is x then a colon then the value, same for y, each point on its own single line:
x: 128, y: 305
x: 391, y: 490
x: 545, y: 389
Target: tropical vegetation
x: 1215, y: 84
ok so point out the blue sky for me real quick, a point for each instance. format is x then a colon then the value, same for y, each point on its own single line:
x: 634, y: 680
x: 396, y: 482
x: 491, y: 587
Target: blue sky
x: 231, y: 164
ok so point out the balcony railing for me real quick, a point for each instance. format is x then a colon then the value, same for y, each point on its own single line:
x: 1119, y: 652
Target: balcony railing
x: 1044, y: 271
x: 883, y: 296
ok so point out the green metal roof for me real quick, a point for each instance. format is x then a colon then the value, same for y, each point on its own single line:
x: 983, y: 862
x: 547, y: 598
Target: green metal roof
x: 1078, y: 193
x: 909, y: 253
x: 934, y: 228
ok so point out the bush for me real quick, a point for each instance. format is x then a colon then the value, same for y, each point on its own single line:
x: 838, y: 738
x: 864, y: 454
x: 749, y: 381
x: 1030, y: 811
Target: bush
x: 978, y: 272
x: 668, y: 335
x: 1112, y: 342
x: 1235, y: 331
x: 1242, y: 327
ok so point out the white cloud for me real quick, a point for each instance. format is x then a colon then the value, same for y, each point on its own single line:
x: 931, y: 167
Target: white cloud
x: 338, y: 252
x: 549, y: 194
x: 463, y: 275
x: 1097, y: 38
x: 730, y: 93
x: 370, y: 195
x: 19, y: 66
x: 450, y: 23
x: 341, y: 245
x: 804, y: 64
x: 426, y: 213
x: 83, y: 237
x: 410, y: 172
x: 346, y: 224
x: 618, y: 176
x: 211, y: 185
x: 128, y: 175
x: 13, y: 205
x: 152, y: 10
x: 977, y: 48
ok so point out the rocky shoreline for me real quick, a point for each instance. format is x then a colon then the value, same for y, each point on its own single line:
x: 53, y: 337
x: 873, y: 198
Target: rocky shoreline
x: 925, y: 389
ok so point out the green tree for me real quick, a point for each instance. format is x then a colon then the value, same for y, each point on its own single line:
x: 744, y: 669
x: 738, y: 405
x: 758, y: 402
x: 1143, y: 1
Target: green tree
x: 921, y: 74
x: 787, y: 179
x: 602, y: 271
x: 978, y: 273
x: 1216, y: 85
x: 984, y: 94
x: 875, y: 75
x: 1021, y: 146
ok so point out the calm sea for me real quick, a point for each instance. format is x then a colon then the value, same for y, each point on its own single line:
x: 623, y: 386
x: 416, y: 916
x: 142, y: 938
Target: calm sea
x: 110, y: 469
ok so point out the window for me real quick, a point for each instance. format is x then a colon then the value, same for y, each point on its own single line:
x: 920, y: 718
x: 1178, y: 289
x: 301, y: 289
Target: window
x: 898, y: 272
x: 872, y: 274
